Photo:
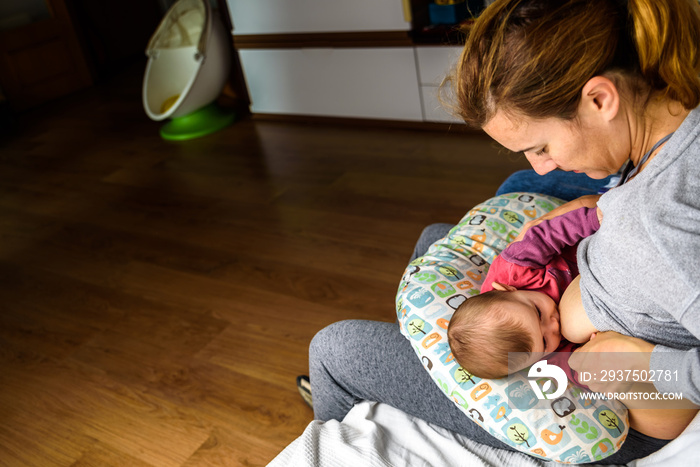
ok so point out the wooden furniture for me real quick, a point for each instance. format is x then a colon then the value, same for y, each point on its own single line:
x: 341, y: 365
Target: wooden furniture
x: 341, y: 59
x: 51, y: 48
x: 40, y: 56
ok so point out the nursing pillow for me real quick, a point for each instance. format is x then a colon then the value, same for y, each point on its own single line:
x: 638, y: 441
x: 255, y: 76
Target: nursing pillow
x: 570, y: 428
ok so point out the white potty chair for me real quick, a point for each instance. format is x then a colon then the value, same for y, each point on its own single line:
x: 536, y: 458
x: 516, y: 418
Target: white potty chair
x: 189, y: 60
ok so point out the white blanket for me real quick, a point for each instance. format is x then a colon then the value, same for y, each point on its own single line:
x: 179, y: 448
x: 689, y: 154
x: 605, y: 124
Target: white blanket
x: 378, y: 435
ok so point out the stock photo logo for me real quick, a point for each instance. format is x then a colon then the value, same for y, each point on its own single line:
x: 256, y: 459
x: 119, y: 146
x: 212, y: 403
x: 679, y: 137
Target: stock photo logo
x: 540, y: 378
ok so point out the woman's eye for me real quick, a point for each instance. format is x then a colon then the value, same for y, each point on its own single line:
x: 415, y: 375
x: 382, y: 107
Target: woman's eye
x: 541, y: 151
x: 539, y: 314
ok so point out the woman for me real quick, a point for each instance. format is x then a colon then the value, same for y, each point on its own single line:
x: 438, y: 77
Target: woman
x: 582, y: 86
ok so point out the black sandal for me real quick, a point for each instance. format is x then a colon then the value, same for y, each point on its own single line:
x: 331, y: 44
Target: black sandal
x: 304, y: 387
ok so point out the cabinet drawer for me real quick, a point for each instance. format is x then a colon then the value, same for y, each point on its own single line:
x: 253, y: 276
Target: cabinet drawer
x: 372, y: 83
x: 434, y: 63
x: 313, y: 16
x: 433, y: 109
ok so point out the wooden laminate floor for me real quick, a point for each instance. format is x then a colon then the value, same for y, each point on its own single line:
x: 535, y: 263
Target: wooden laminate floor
x: 157, y: 299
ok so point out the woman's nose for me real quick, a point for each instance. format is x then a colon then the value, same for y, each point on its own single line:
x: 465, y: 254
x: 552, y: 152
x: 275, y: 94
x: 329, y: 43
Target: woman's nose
x: 541, y: 164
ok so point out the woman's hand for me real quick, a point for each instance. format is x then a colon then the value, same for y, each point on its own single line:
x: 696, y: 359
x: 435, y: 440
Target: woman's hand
x: 609, y: 360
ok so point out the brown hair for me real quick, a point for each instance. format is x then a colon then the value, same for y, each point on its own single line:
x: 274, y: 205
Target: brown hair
x: 533, y: 57
x: 481, y: 334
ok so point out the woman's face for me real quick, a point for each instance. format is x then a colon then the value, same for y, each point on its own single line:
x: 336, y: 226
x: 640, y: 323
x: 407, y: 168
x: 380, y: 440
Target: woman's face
x: 551, y: 143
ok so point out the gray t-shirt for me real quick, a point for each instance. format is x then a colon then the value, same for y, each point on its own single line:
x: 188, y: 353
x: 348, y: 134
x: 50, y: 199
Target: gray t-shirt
x: 640, y: 273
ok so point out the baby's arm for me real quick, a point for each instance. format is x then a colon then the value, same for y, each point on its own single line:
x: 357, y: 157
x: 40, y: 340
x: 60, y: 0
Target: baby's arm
x: 588, y: 201
x: 549, y: 239
x: 573, y: 321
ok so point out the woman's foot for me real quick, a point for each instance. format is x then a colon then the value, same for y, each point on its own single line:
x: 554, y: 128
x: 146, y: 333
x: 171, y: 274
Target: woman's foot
x: 304, y: 387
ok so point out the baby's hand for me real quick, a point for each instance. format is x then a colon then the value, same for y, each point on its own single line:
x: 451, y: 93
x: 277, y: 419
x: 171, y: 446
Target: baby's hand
x: 599, y: 213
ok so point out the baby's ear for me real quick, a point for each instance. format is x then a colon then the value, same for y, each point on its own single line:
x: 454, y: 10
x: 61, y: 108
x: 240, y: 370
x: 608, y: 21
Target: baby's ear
x: 503, y: 287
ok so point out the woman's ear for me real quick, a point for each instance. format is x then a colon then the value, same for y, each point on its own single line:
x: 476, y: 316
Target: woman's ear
x: 503, y: 287
x: 600, y: 97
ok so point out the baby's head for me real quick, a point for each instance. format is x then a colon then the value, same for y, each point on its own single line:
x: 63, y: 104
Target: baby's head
x: 487, y: 327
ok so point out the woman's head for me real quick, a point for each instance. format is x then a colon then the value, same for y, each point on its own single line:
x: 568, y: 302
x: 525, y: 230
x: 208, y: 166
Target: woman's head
x: 533, y: 57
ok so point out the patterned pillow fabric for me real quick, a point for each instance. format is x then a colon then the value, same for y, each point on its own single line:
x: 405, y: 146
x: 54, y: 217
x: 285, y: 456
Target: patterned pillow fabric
x: 570, y: 428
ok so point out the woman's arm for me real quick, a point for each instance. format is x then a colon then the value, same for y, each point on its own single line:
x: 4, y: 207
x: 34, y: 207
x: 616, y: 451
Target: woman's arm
x: 652, y: 412
x: 595, y: 358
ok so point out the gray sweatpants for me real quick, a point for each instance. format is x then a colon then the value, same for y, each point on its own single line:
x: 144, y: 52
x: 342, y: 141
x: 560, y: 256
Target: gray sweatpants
x: 355, y: 360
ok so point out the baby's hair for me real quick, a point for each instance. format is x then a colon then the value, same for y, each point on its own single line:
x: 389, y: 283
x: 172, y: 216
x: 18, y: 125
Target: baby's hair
x: 482, y: 333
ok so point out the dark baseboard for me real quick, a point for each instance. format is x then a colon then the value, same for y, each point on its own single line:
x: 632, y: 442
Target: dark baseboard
x: 323, y: 40
x: 368, y: 123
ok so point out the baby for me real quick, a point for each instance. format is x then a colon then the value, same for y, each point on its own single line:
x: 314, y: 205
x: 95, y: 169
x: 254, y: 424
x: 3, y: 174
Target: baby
x: 518, y: 311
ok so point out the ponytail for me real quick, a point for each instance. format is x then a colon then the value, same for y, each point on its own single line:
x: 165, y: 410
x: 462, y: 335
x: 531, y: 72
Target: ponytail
x: 666, y: 35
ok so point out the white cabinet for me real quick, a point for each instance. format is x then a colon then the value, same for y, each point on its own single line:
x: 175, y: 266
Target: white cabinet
x: 374, y: 83
x: 434, y: 63
x: 382, y: 81
x: 314, y: 16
